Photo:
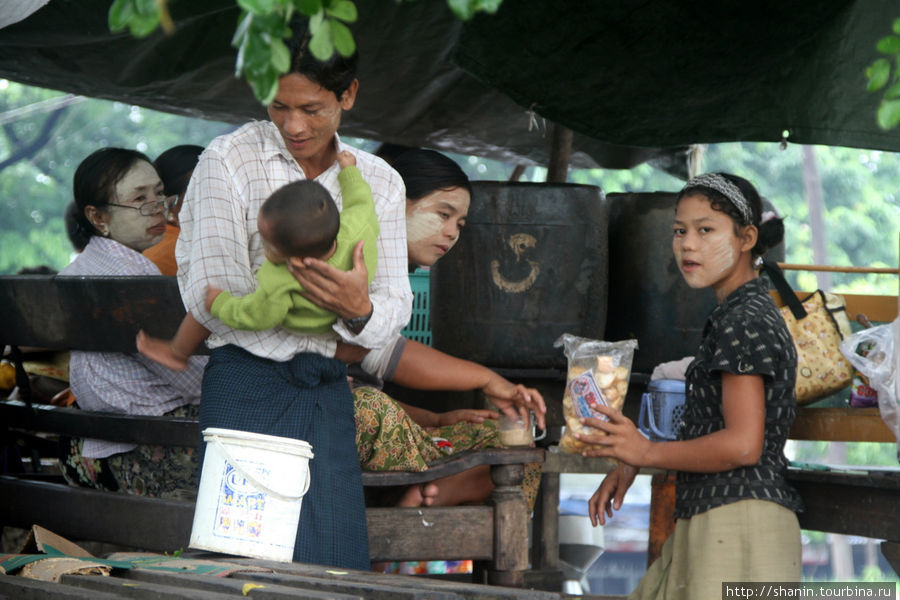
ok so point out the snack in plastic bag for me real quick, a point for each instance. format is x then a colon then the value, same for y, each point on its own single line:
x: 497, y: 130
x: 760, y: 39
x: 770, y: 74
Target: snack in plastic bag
x: 598, y: 374
x: 879, y: 365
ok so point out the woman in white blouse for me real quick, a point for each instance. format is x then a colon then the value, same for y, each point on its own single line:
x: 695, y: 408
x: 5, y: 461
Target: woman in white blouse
x: 121, y: 210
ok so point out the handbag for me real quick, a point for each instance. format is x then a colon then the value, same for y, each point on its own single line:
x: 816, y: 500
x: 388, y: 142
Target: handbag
x: 818, y: 324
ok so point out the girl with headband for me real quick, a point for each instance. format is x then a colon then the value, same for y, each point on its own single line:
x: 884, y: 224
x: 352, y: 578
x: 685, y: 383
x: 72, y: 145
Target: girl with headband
x: 735, y: 513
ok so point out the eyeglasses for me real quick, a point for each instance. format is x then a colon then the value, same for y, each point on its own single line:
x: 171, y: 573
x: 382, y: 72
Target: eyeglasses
x: 148, y: 209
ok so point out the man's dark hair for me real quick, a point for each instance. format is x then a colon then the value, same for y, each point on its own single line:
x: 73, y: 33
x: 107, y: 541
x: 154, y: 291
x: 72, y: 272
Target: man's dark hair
x: 335, y: 74
x: 304, y: 219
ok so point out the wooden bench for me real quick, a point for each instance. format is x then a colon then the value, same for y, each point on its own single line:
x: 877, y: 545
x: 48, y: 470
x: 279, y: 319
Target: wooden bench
x: 104, y: 314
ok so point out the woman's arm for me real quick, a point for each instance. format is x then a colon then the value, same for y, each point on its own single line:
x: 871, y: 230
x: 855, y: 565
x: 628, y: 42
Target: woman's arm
x: 738, y: 444
x: 424, y: 368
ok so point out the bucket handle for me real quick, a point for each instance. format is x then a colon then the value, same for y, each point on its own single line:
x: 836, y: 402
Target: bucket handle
x: 645, y: 418
x: 253, y: 480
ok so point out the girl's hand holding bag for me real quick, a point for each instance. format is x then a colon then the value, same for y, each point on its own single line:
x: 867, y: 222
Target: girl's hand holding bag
x: 818, y: 324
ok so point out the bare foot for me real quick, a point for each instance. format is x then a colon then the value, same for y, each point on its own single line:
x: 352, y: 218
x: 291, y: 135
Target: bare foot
x: 423, y: 494
x: 160, y: 351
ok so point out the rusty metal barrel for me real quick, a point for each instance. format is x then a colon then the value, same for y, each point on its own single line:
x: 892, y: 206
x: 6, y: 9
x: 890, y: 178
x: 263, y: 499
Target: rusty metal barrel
x: 530, y: 265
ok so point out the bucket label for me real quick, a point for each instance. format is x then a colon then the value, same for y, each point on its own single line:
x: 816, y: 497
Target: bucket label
x: 240, y: 509
x: 586, y: 396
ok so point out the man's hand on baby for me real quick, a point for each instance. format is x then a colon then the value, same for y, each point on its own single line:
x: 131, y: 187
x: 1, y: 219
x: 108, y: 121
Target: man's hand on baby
x: 211, y: 293
x: 346, y: 159
x: 345, y: 293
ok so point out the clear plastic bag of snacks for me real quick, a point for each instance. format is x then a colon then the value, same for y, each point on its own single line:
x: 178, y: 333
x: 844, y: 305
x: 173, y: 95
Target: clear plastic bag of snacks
x: 598, y: 373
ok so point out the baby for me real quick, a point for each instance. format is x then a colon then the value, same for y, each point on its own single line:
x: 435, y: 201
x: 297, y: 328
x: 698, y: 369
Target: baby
x: 298, y: 220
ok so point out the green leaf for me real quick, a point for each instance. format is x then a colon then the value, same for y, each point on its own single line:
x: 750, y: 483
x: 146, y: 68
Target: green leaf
x: 120, y: 12
x: 488, y: 6
x: 243, y: 26
x: 343, y: 39
x: 264, y: 86
x: 889, y: 45
x: 897, y: 25
x: 308, y: 7
x: 142, y: 26
x: 281, y: 56
x: 893, y: 92
x: 315, y: 22
x: 257, y: 7
x: 344, y: 10
x: 320, y: 43
x: 889, y: 114
x: 463, y: 9
x: 257, y: 56
x: 878, y: 73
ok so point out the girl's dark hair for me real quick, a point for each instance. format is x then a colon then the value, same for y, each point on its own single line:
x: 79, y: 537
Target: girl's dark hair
x: 304, y: 218
x: 175, y: 166
x: 95, y: 181
x: 771, y: 232
x: 335, y: 74
x: 427, y: 171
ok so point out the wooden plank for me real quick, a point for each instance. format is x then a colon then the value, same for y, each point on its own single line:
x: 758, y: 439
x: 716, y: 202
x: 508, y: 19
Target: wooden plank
x: 374, y: 589
x: 154, y: 524
x: 21, y: 588
x: 165, y: 431
x: 471, y: 591
x: 839, y: 269
x: 867, y: 505
x: 88, y: 313
x: 453, y: 464
x: 441, y: 533
x: 143, y: 590
x: 234, y: 587
x: 840, y: 424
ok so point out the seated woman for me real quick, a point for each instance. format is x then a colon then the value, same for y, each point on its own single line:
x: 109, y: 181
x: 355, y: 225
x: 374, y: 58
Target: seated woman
x: 122, y: 211
x: 391, y: 435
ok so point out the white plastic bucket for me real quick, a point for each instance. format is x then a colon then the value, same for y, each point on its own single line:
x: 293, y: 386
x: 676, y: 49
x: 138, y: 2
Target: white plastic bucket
x: 251, y: 492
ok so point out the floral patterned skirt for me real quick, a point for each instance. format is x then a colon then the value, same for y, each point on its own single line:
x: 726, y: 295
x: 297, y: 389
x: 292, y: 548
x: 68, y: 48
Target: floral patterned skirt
x: 148, y: 470
x: 387, y: 439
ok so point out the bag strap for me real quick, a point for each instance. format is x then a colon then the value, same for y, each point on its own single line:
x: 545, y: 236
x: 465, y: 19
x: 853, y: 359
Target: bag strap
x: 784, y: 289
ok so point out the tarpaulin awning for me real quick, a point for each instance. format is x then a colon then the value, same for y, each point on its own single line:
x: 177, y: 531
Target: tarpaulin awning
x: 636, y: 80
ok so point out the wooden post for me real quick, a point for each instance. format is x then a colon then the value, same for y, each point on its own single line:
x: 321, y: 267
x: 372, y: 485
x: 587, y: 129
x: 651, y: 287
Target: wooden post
x: 662, y: 509
x: 510, y: 530
x: 560, y: 152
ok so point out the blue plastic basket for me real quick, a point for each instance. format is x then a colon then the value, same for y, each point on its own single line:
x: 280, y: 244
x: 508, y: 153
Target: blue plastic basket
x: 419, y: 326
x: 661, y: 408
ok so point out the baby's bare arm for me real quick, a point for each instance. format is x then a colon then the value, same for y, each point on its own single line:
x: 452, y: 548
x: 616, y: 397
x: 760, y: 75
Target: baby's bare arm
x: 346, y: 159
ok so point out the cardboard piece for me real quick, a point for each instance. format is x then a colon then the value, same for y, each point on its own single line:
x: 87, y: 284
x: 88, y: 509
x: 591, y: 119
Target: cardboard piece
x: 44, y: 541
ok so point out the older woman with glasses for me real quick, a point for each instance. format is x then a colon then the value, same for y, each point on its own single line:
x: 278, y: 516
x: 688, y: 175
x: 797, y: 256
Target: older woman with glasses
x: 121, y: 209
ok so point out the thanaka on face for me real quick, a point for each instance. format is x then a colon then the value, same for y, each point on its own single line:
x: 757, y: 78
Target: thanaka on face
x: 707, y: 250
x: 307, y: 117
x: 433, y: 224
x: 141, y: 184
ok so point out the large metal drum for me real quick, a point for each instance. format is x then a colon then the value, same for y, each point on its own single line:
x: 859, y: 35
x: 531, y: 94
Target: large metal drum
x: 648, y: 298
x: 530, y: 265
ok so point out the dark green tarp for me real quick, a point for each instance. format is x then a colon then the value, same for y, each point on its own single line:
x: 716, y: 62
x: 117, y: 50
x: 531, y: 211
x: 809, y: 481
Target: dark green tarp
x: 636, y: 80
x: 665, y: 73
x: 411, y: 92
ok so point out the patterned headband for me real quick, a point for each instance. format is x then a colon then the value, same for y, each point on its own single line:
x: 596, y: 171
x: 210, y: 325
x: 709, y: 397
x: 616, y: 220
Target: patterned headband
x: 716, y: 182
